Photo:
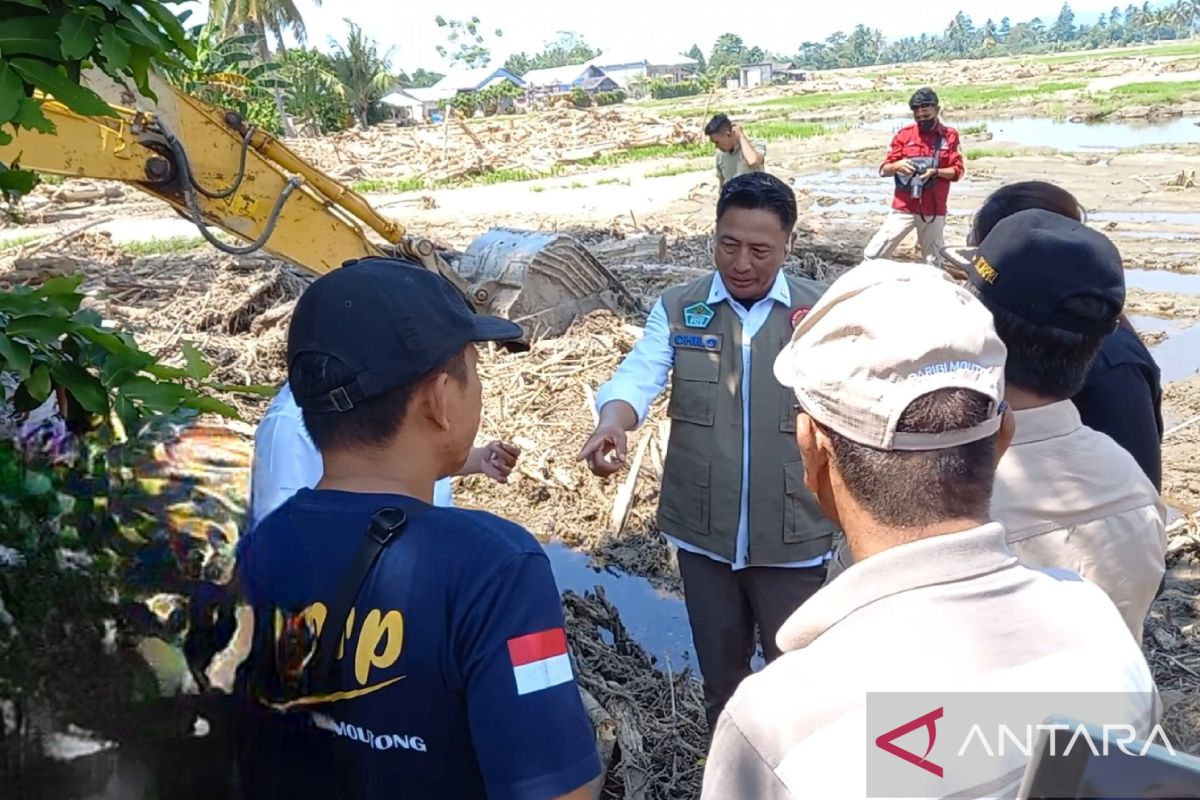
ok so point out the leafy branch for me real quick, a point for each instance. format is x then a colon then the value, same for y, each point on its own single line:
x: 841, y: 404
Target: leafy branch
x: 46, y: 44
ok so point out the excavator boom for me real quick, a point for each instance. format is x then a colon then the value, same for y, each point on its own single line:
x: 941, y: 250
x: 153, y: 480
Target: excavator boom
x: 217, y: 171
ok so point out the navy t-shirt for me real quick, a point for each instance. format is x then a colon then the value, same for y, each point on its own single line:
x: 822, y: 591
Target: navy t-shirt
x: 453, y: 679
x: 1123, y: 398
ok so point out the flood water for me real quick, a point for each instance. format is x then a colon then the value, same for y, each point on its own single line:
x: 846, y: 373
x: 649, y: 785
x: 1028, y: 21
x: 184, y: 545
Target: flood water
x: 1181, y: 218
x: 656, y: 620
x: 1178, y: 356
x: 1159, y: 280
x: 1070, y: 136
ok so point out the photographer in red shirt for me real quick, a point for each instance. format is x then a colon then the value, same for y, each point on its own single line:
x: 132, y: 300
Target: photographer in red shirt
x: 923, y: 161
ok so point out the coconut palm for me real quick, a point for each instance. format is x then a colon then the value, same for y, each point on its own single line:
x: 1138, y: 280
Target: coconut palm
x: 364, y: 74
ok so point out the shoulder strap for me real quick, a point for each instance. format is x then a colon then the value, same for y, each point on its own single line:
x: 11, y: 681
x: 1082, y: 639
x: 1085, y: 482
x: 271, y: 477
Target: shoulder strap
x: 385, y: 526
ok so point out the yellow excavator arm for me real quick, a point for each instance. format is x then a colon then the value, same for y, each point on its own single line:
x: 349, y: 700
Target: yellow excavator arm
x: 218, y: 171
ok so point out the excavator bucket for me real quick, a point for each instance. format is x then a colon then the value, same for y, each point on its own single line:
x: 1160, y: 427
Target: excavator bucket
x: 542, y: 281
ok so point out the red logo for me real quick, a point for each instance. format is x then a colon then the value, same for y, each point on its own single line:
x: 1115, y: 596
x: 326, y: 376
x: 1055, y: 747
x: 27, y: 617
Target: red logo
x: 798, y: 315
x: 926, y: 721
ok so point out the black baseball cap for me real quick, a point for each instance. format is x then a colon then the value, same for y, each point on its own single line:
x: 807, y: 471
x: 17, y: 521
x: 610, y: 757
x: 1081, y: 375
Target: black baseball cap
x: 390, y: 321
x: 923, y: 97
x: 1035, y: 260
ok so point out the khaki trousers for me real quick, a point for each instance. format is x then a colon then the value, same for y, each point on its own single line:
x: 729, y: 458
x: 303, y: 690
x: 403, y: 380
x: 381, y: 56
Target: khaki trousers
x: 897, y: 225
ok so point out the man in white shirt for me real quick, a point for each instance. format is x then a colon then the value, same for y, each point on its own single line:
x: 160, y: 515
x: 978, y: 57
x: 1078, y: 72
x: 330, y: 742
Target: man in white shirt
x: 937, y: 626
x: 286, y: 460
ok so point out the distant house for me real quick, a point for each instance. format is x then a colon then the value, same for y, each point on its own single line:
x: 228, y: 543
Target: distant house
x: 626, y: 67
x: 769, y: 72
x: 601, y: 83
x: 476, y: 80
x: 404, y: 105
x: 556, y: 80
x: 430, y: 98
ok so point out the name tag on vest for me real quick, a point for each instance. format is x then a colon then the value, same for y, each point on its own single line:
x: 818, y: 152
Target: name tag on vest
x: 697, y: 341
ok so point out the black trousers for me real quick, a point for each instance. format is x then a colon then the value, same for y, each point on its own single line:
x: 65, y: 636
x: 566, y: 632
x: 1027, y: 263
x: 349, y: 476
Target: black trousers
x: 724, y: 606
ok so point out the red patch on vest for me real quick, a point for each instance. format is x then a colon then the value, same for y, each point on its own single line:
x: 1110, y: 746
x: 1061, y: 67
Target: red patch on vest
x: 798, y: 315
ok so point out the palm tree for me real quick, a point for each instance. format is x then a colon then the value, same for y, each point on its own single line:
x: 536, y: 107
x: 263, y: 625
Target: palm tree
x: 263, y: 17
x: 364, y: 73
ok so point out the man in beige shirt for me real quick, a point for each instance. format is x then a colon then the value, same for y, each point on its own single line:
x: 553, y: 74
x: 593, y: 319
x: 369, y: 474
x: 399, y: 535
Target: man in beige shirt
x: 901, y: 425
x: 1069, y: 496
x: 736, y: 154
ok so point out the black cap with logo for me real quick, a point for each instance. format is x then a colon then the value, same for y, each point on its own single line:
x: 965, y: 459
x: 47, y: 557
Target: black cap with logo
x: 1033, y: 261
x: 390, y: 321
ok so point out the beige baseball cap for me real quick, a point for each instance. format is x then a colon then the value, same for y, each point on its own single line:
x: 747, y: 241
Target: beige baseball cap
x: 882, y: 335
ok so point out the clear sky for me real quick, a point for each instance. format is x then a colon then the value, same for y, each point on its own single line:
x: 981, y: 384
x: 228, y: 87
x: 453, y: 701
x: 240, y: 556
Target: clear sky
x: 652, y: 24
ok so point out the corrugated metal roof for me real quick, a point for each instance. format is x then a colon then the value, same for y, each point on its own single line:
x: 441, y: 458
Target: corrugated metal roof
x: 554, y: 76
x: 430, y: 94
x: 469, y: 79
x: 400, y: 98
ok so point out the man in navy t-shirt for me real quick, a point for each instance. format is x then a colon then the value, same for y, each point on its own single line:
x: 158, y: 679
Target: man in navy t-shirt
x: 451, y: 677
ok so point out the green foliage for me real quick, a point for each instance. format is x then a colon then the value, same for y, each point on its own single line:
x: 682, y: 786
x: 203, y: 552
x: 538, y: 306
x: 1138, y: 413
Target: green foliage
x: 492, y: 100
x: 315, y: 96
x: 46, y: 44
x: 569, y: 48
x: 364, y: 73
x: 609, y: 98
x: 962, y: 38
x: 228, y: 72
x: 580, y: 98
x: 44, y: 334
x: 85, y: 537
x: 465, y: 42
x: 660, y: 89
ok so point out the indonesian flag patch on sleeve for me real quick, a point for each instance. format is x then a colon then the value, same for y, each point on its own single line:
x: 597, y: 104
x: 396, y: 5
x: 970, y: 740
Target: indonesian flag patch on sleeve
x: 540, y: 660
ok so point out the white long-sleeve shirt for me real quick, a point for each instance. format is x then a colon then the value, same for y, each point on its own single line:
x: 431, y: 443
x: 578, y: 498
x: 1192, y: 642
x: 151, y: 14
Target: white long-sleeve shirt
x: 286, y: 460
x: 643, y: 375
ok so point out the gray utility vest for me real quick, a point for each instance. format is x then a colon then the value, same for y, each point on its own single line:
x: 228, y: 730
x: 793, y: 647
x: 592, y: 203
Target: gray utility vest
x: 702, y: 476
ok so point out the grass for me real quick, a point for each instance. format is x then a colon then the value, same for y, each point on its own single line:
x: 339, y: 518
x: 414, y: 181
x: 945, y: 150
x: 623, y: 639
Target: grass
x: 989, y: 152
x: 164, y: 247
x: 1172, y: 49
x: 611, y: 182
x: 973, y: 130
x: 678, y: 169
x: 775, y: 130
x: 1157, y: 93
x: 398, y: 185
x: 17, y: 241
x: 957, y: 96
x: 683, y: 150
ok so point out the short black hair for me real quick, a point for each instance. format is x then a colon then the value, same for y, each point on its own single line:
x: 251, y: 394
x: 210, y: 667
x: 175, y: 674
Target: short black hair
x: 1022, y: 196
x: 718, y: 123
x: 1049, y: 362
x: 910, y: 489
x: 372, y: 422
x: 924, y: 96
x: 760, y: 190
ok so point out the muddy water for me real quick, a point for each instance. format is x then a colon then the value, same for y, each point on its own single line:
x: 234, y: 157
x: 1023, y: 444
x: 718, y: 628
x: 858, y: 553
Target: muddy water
x: 1070, y: 136
x: 1155, y: 280
x: 656, y: 620
x: 1178, y: 356
x: 1182, y: 218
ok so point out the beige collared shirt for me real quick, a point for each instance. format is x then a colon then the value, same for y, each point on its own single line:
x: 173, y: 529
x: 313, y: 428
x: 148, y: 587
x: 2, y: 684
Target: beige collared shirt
x: 1071, y: 497
x: 950, y: 613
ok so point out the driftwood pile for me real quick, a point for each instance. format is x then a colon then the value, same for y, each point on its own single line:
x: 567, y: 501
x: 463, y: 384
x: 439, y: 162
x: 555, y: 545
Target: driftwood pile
x: 536, y: 143
x: 657, y: 715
